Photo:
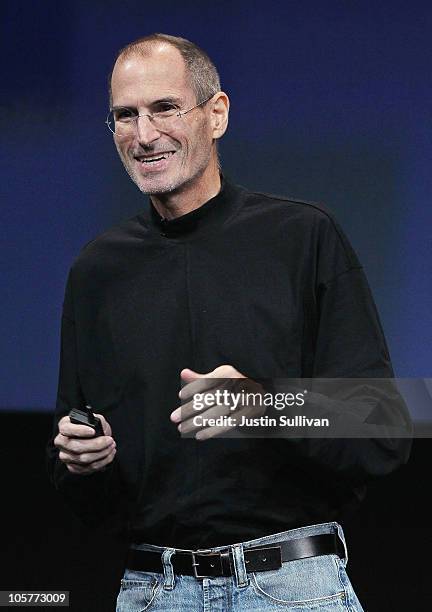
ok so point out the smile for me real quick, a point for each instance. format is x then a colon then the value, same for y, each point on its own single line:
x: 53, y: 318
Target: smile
x: 151, y: 159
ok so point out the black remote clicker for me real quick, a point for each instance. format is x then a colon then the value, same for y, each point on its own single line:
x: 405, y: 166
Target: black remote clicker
x: 85, y: 416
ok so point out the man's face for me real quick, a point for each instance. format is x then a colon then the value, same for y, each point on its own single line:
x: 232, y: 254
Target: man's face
x: 145, y: 83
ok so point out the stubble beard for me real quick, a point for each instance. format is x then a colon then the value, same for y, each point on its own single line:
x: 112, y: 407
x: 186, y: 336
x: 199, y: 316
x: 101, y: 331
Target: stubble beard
x: 145, y: 186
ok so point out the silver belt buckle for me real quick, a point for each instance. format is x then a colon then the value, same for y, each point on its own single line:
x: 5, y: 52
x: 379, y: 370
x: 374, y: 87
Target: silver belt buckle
x: 195, y: 563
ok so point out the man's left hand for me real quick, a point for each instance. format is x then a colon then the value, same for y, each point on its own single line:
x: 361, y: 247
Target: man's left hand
x: 223, y: 378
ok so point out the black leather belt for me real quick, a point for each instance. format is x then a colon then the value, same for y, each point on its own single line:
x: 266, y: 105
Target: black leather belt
x: 206, y: 564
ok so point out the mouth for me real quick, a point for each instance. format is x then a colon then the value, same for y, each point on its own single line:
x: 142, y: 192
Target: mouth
x: 154, y: 158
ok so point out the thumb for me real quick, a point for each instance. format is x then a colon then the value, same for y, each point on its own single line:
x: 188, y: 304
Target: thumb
x: 105, y: 425
x: 189, y: 375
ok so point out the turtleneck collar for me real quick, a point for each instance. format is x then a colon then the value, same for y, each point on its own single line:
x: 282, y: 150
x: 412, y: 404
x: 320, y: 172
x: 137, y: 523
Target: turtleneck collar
x: 207, y: 215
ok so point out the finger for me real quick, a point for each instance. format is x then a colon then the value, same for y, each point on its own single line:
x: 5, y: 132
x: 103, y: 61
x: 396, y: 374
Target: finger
x: 105, y: 425
x: 84, y: 458
x: 227, y: 371
x: 188, y: 375
x: 205, y: 385
x: 185, y: 411
x: 81, y: 445
x: 199, y: 386
x: 248, y: 395
x: 94, y: 467
x: 98, y: 465
x: 188, y: 409
x: 223, y: 371
x: 73, y: 430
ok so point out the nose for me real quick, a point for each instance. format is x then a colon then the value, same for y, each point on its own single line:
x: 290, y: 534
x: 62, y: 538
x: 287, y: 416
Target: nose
x: 145, y: 130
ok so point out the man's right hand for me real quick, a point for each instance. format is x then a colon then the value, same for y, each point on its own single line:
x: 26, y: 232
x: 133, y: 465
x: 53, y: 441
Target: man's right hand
x: 80, y: 451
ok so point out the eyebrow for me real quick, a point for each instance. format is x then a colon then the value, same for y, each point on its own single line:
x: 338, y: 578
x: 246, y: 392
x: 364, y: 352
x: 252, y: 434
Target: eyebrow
x: 168, y: 99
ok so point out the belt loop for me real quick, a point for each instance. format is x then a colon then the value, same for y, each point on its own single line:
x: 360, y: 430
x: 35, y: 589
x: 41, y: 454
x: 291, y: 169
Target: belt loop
x: 240, y: 566
x: 168, y: 569
x: 342, y: 538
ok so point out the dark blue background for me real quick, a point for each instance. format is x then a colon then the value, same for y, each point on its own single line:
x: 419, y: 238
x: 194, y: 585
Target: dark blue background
x: 331, y: 101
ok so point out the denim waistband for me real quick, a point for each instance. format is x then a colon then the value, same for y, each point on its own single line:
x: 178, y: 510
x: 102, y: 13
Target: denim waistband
x: 274, y: 538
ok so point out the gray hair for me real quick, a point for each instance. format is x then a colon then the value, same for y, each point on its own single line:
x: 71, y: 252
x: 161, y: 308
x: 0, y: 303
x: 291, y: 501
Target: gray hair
x: 203, y: 75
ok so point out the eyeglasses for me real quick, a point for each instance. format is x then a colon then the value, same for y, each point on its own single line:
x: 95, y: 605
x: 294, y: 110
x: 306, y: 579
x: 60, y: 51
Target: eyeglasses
x: 121, y: 121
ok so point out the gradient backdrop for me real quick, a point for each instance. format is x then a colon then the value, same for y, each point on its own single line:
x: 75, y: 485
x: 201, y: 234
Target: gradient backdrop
x: 331, y: 101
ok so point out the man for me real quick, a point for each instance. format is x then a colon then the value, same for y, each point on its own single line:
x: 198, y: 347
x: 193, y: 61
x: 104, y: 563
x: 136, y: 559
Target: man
x: 212, y: 281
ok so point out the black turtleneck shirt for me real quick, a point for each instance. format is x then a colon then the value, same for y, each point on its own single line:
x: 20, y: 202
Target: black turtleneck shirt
x: 266, y: 284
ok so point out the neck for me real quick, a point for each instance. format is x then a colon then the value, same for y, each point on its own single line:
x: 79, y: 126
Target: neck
x: 190, y: 196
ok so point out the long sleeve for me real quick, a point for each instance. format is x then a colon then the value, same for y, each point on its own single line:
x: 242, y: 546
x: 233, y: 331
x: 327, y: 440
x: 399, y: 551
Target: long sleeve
x: 94, y: 498
x: 350, y: 344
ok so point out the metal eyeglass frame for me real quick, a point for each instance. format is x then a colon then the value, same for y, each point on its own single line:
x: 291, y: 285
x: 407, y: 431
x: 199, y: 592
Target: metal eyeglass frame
x: 178, y: 113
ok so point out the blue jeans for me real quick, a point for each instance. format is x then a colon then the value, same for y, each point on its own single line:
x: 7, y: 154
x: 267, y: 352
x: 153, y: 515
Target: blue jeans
x: 312, y: 584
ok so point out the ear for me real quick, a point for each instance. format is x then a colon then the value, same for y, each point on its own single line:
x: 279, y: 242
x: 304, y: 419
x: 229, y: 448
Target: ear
x: 219, y: 114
